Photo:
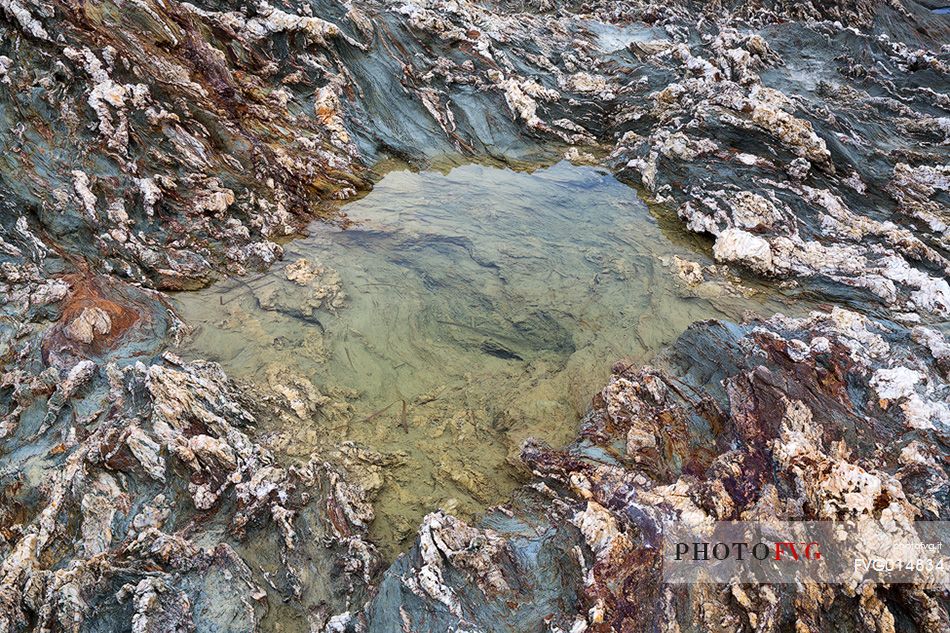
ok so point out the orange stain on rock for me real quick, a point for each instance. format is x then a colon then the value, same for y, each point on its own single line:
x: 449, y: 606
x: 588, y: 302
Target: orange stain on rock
x: 91, y: 293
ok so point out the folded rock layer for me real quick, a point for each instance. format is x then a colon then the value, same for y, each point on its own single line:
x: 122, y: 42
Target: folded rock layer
x: 152, y: 146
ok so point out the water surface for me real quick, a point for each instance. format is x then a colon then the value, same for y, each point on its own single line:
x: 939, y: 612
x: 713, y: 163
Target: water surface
x: 461, y: 313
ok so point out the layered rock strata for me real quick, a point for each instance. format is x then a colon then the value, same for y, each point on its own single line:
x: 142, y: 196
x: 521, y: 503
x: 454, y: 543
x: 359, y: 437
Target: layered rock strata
x: 150, y: 146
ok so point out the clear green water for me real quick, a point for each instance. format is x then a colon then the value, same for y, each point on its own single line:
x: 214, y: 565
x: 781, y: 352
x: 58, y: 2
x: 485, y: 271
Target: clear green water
x: 461, y: 313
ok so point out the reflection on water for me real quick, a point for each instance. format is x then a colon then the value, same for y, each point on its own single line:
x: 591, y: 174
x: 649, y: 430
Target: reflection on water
x: 461, y: 314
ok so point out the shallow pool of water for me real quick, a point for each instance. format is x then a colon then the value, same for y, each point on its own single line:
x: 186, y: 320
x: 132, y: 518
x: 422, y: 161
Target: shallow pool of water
x: 461, y: 313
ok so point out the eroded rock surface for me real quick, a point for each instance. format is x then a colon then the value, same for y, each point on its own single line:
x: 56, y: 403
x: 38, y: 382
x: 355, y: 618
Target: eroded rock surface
x: 149, y: 146
x: 784, y: 426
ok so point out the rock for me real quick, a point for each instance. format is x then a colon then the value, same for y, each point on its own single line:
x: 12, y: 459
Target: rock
x: 159, y: 607
x: 98, y: 508
x: 147, y: 452
x: 90, y: 323
x: 155, y: 148
x: 896, y: 383
x: 736, y: 245
x: 767, y: 436
x: 301, y: 272
x: 798, y: 169
x: 690, y: 272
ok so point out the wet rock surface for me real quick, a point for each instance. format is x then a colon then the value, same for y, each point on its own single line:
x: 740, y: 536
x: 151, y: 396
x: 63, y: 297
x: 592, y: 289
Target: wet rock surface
x: 152, y: 146
x: 786, y: 426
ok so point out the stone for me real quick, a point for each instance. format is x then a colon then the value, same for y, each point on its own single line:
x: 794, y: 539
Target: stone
x: 91, y: 322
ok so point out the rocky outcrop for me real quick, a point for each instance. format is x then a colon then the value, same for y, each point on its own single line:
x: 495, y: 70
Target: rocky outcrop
x: 150, y: 146
x: 789, y: 424
x: 141, y: 481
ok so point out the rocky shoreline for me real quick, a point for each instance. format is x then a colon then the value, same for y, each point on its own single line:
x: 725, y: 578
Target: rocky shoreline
x: 152, y: 146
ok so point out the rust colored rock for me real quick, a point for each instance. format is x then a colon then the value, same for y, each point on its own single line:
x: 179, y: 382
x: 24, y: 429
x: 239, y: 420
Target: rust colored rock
x: 95, y: 318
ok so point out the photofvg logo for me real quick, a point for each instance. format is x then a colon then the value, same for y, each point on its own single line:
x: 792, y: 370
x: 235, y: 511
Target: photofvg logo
x: 848, y: 552
x: 740, y: 550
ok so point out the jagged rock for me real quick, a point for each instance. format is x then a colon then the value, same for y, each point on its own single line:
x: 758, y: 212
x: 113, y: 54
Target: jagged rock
x: 89, y: 323
x: 744, y: 446
x: 156, y: 146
